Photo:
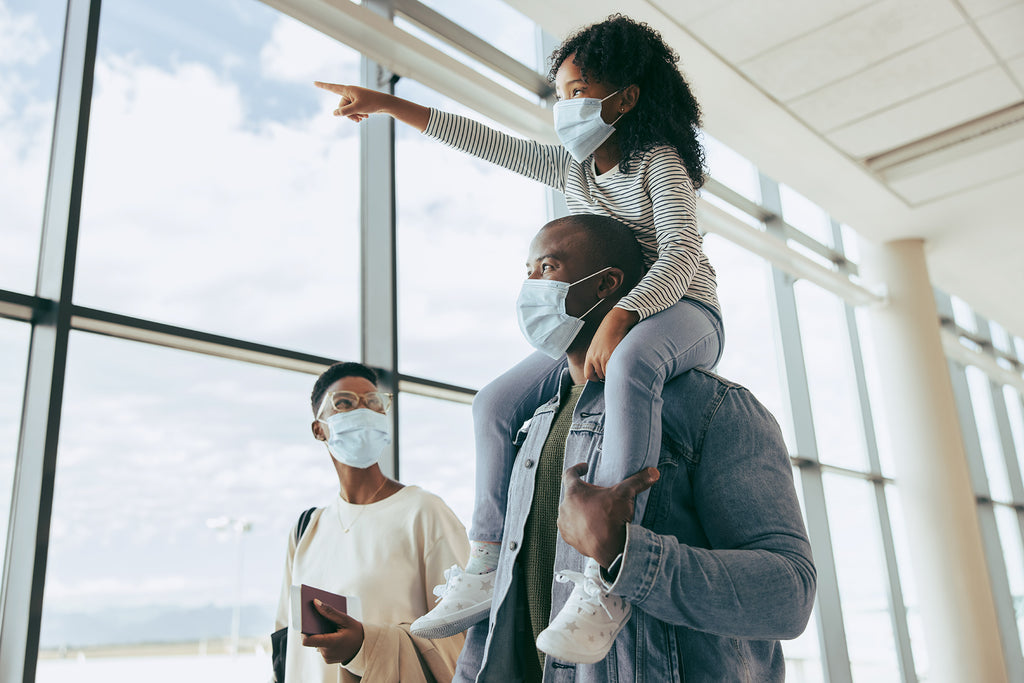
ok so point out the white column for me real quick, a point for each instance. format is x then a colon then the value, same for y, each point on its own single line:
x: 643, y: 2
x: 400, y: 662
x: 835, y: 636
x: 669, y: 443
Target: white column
x: 932, y: 478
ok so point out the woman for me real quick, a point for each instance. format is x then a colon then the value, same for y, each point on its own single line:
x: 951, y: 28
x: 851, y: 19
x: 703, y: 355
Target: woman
x: 379, y: 541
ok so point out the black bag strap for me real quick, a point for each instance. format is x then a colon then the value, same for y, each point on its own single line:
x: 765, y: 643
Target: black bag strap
x: 304, y: 518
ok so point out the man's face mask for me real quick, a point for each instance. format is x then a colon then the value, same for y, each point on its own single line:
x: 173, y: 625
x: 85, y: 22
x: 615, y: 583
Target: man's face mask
x: 542, y: 317
x: 579, y: 125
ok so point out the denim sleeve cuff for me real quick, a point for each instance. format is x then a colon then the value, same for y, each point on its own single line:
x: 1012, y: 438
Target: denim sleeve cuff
x: 638, y: 565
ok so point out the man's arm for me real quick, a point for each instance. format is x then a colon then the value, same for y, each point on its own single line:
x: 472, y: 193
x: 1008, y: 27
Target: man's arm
x: 757, y: 579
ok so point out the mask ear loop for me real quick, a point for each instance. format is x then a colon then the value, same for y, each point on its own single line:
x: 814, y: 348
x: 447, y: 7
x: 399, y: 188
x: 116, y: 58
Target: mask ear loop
x: 573, y: 284
x: 599, y: 301
x: 621, y: 113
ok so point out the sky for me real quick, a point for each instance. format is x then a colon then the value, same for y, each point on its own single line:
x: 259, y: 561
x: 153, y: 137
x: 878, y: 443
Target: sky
x: 220, y: 195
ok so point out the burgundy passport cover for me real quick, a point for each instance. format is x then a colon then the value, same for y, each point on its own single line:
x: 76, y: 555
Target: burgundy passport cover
x: 313, y: 623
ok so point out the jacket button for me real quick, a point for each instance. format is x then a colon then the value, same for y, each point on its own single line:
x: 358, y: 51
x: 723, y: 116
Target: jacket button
x: 512, y: 545
x: 528, y: 464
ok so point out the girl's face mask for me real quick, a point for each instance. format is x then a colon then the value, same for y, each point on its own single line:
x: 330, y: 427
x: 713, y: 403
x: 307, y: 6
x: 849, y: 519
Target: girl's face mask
x: 579, y: 125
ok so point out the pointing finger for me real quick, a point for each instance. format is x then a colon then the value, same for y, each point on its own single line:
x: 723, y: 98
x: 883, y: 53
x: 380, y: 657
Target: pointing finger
x: 336, y: 88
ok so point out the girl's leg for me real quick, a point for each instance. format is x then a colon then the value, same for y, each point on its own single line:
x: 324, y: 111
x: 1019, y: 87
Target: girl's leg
x: 499, y: 410
x: 665, y: 345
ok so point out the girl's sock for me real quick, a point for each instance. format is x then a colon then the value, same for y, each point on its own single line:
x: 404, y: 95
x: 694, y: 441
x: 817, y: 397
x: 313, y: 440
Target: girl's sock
x: 483, y: 557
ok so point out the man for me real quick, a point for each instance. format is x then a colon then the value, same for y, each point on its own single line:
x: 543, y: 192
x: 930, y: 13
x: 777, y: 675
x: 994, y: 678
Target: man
x: 721, y: 567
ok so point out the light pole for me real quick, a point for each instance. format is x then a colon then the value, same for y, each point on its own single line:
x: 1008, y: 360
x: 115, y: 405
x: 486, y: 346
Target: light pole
x: 240, y: 526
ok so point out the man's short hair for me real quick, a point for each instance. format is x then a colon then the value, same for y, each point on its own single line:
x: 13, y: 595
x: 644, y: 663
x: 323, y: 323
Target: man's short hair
x: 611, y: 243
x: 333, y: 374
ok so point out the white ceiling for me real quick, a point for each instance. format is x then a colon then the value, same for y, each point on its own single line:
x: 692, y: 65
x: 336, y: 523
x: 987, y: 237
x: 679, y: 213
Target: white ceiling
x: 902, y: 118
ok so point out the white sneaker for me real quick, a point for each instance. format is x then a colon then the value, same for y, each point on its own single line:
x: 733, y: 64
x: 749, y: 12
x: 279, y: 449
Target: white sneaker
x: 586, y: 627
x: 462, y: 600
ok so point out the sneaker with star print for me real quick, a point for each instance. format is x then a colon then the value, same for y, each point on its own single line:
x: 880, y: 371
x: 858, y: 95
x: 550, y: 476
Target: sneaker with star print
x: 585, y: 629
x: 463, y: 600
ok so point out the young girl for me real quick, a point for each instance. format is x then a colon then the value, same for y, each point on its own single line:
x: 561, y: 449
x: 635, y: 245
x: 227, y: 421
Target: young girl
x: 629, y: 127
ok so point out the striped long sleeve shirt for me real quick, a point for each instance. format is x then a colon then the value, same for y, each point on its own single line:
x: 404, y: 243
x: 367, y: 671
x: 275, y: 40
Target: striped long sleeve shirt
x: 656, y: 200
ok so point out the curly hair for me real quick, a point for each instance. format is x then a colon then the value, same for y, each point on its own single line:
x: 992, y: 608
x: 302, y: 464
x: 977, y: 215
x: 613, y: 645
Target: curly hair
x: 620, y: 52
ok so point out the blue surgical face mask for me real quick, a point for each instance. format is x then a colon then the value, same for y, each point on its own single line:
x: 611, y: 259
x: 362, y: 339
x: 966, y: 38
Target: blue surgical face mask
x: 358, y: 437
x: 542, y: 317
x: 579, y: 125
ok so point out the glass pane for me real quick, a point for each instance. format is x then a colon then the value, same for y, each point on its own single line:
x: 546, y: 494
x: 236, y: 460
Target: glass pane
x: 835, y: 401
x: 1009, y: 523
x: 1015, y: 411
x: 31, y: 32
x: 1000, y: 337
x: 908, y: 583
x: 437, y: 450
x: 220, y: 194
x: 963, y: 315
x: 988, y: 435
x: 876, y: 392
x: 851, y: 243
x: 861, y: 571
x: 14, y: 338
x: 497, y: 23
x: 460, y: 255
x: 751, y: 355
x: 805, y: 215
x: 732, y: 169
x: 803, y: 654
x: 155, y: 446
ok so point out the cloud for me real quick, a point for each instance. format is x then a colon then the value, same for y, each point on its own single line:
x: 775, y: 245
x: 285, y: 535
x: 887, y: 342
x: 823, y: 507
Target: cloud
x: 294, y: 53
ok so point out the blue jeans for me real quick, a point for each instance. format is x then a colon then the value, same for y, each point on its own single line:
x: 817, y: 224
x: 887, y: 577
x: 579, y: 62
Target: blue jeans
x: 684, y: 336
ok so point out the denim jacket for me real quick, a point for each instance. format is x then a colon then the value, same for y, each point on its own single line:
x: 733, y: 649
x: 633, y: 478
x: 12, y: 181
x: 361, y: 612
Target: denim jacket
x: 719, y: 570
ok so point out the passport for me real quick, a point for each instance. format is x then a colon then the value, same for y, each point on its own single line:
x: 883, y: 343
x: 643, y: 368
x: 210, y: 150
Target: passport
x: 306, y: 618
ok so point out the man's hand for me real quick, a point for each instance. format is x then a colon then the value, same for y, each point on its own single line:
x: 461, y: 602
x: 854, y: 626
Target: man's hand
x: 609, y: 333
x: 592, y: 519
x: 342, y: 645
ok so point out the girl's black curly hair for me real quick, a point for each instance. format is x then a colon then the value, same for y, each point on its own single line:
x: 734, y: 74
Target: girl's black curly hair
x: 620, y: 52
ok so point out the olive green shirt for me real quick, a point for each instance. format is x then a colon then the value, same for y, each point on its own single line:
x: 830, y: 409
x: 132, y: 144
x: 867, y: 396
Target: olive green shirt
x: 537, y: 557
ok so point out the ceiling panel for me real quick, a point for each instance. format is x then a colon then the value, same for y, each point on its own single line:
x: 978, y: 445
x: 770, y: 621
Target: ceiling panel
x: 950, y: 178
x: 946, y: 58
x: 1005, y: 30
x: 948, y: 106
x: 980, y: 8
x: 682, y: 12
x: 1016, y: 67
x: 746, y: 28
x: 849, y: 45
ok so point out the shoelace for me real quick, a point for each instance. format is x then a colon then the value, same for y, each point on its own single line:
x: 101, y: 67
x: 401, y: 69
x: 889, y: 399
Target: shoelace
x: 451, y: 575
x: 594, y: 591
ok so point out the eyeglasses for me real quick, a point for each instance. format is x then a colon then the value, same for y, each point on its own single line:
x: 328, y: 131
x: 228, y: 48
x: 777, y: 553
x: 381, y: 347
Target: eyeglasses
x: 345, y: 401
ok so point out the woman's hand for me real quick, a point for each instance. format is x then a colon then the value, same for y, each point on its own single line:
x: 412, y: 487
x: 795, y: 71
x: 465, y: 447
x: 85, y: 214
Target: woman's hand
x: 342, y: 645
x: 609, y: 333
x: 357, y: 103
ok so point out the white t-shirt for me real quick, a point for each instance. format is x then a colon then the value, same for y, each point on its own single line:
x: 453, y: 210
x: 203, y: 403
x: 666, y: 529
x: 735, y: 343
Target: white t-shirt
x: 392, y: 555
